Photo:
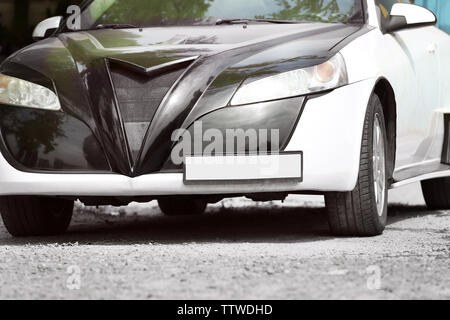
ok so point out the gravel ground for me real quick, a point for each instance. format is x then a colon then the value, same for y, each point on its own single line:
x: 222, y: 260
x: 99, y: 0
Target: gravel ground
x: 238, y: 250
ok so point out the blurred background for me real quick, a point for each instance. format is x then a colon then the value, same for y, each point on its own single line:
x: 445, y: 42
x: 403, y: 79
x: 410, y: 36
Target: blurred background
x: 19, y: 17
x: 441, y: 9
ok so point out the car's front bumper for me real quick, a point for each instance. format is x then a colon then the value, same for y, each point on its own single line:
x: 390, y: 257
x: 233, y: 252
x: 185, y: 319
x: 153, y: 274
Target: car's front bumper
x: 328, y: 134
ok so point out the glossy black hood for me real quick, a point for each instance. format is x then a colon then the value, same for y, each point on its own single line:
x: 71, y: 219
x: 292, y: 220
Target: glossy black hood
x: 236, y: 34
x: 78, y: 65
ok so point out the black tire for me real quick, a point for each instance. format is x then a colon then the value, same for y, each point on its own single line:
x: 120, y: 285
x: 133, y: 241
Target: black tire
x: 437, y: 193
x: 355, y: 213
x: 182, y: 206
x: 25, y: 216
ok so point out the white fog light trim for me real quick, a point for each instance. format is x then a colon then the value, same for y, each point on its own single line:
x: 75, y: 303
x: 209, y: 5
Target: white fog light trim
x: 21, y: 93
x: 326, y: 76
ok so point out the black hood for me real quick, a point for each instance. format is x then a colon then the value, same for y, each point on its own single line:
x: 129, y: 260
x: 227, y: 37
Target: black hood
x: 154, y: 46
x: 212, y: 61
x: 237, y: 34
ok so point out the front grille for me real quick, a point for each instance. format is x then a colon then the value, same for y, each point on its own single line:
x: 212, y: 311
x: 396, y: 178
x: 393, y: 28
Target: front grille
x: 139, y: 96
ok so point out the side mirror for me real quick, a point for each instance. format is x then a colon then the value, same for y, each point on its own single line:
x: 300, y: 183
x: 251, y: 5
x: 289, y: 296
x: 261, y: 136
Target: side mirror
x: 46, y: 28
x: 404, y: 16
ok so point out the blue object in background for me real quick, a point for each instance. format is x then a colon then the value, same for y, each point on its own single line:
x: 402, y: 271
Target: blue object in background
x: 441, y: 9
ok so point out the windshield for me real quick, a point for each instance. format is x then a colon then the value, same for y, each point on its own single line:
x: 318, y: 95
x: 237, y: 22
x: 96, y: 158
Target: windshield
x: 147, y: 13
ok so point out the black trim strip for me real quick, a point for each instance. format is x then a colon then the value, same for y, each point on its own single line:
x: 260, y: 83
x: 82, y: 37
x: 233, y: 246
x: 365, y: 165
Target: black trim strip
x: 119, y: 115
x: 297, y: 121
x: 446, y: 147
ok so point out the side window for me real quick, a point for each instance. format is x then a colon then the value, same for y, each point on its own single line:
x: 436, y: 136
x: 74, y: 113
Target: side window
x: 386, y: 6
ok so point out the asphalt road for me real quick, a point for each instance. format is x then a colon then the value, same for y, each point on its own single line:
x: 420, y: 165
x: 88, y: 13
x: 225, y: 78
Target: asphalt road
x: 238, y: 250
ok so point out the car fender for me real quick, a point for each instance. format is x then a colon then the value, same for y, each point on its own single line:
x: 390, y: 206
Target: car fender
x: 329, y: 133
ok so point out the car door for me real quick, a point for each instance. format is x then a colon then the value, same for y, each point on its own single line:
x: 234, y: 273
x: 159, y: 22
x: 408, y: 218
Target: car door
x: 416, y: 120
x: 444, y: 68
x: 441, y: 34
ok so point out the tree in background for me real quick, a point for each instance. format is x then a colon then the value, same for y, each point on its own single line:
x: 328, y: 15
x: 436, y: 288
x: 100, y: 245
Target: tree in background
x: 143, y: 12
x: 311, y: 10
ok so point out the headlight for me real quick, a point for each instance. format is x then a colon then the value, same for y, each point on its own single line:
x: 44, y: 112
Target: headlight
x: 22, y: 93
x: 328, y: 75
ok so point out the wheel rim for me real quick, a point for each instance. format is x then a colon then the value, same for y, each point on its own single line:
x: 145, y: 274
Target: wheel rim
x: 379, y: 166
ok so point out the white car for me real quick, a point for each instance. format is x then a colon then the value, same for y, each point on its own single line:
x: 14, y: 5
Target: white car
x: 145, y: 100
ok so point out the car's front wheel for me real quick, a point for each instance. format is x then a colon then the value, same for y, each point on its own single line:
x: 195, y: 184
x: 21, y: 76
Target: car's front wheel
x: 25, y: 216
x: 182, y: 206
x: 363, y: 211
